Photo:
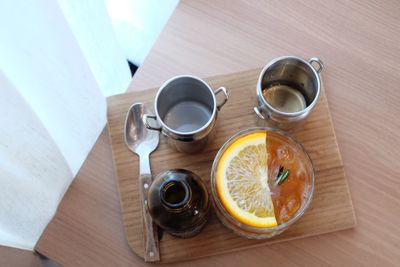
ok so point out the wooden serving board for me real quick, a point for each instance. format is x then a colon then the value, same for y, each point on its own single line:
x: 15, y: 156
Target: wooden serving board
x: 331, y: 209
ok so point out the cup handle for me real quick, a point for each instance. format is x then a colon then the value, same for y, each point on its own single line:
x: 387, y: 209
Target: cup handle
x: 319, y: 62
x: 259, y: 113
x: 146, y: 117
x: 226, y: 96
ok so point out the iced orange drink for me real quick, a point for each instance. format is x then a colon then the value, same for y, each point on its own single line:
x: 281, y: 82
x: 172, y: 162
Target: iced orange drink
x: 262, y: 181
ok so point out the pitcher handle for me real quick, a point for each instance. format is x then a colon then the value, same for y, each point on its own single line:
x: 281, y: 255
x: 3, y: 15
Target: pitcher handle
x: 259, y: 113
x: 146, y: 117
x: 226, y: 96
x: 319, y: 62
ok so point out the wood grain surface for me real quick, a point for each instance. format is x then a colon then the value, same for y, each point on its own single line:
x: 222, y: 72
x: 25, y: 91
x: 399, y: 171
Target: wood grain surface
x: 17, y: 257
x: 359, y: 44
x: 331, y: 209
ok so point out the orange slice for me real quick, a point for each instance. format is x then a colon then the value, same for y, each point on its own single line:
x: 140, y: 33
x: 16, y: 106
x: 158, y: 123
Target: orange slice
x: 242, y: 181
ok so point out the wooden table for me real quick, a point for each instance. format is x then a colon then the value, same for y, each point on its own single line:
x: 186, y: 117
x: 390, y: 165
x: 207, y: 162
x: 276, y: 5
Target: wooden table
x: 358, y: 41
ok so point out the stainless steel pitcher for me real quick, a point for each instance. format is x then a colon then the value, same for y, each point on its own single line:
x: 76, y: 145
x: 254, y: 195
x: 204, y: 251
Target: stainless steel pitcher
x: 186, y: 111
x: 298, y: 74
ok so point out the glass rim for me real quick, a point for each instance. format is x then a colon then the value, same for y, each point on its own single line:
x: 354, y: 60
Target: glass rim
x: 228, y: 216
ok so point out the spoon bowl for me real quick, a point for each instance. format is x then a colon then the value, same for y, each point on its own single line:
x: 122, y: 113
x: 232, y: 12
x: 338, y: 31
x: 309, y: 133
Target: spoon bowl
x: 137, y: 137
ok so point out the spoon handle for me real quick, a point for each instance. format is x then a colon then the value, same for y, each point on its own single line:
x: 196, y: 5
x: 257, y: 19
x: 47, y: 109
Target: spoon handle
x: 151, y: 251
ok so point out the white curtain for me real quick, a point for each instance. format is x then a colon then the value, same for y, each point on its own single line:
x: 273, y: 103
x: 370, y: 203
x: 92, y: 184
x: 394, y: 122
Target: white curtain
x: 58, y: 61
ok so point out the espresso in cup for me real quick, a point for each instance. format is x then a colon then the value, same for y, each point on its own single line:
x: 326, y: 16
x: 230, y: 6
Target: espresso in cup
x: 285, y: 97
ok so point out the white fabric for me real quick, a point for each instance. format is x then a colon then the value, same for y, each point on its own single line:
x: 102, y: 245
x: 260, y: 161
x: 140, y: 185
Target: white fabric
x: 57, y: 62
x: 138, y: 23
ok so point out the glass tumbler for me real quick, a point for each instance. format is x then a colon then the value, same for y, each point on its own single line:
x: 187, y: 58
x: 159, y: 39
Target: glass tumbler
x: 292, y: 146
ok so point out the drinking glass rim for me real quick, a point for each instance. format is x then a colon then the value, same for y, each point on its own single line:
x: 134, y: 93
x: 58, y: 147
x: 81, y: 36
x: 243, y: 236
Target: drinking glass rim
x: 282, y: 226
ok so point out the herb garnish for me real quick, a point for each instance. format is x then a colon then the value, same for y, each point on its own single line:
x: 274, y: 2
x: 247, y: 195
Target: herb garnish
x: 281, y: 176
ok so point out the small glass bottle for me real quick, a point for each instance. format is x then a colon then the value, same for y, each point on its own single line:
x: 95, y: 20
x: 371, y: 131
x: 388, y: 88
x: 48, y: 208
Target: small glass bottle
x: 179, y: 203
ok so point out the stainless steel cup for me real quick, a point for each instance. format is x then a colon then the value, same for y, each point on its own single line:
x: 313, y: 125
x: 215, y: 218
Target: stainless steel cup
x: 297, y: 74
x: 186, y: 111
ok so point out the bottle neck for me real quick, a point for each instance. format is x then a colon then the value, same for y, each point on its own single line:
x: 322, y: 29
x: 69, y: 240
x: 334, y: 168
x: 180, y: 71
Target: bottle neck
x: 176, y: 195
